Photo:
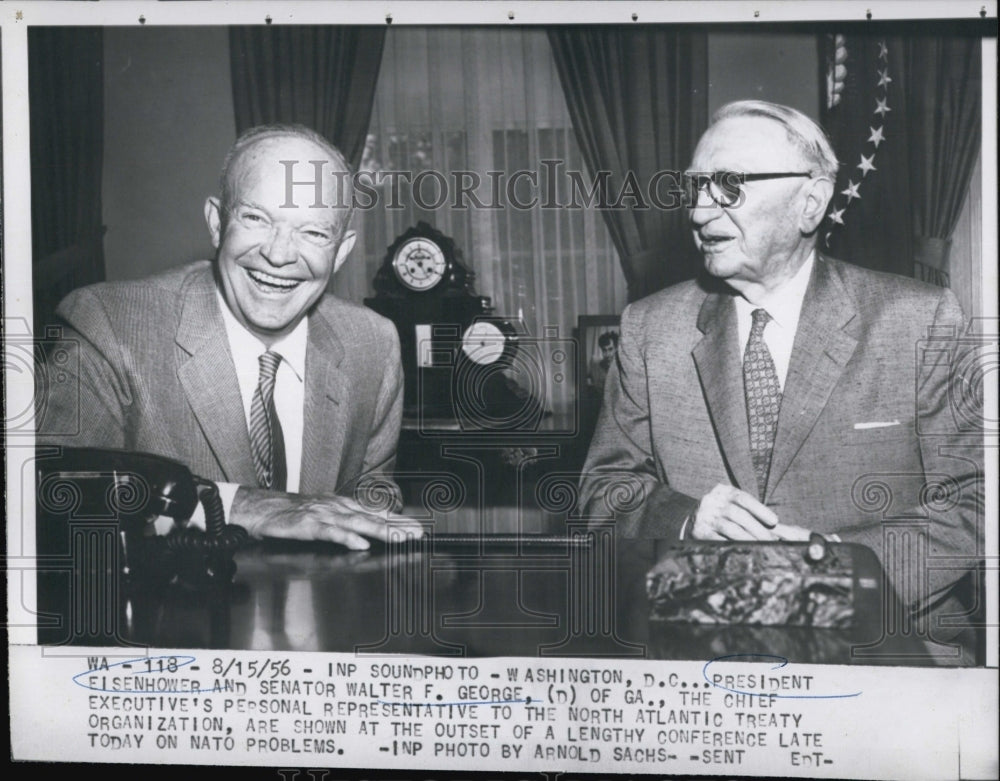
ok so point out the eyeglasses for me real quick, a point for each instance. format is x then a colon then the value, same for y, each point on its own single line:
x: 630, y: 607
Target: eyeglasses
x: 725, y: 187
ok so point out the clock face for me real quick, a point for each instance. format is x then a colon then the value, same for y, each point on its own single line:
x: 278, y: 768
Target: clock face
x: 419, y: 264
x: 484, y: 342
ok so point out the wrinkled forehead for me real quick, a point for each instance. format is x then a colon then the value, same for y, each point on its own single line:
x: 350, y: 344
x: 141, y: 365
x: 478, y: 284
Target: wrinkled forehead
x: 747, y: 144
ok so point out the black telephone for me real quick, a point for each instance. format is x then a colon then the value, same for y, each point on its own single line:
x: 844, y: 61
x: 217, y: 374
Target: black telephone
x: 96, y: 541
x: 92, y: 483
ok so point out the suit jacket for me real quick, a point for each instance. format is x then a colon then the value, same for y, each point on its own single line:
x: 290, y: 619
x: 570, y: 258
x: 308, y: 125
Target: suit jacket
x: 150, y: 370
x: 867, y: 435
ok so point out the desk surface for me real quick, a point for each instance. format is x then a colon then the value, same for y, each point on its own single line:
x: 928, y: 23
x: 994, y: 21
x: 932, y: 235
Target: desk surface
x: 471, y: 601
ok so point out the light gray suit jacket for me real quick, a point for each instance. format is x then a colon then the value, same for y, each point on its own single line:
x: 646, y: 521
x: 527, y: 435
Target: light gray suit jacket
x: 867, y: 433
x: 150, y: 370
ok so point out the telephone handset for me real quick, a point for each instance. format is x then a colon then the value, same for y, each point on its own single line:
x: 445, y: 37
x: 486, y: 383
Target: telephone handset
x: 80, y: 484
x: 102, y: 570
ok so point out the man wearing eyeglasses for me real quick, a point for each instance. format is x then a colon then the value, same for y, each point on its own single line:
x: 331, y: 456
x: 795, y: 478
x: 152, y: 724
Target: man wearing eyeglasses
x: 785, y: 393
x: 244, y: 369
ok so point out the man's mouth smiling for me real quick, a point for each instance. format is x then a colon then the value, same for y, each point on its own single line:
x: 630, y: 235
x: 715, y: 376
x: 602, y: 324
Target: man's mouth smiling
x: 272, y: 284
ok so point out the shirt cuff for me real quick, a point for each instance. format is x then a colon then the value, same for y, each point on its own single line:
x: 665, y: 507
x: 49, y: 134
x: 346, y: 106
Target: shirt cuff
x: 684, y: 527
x: 227, y: 493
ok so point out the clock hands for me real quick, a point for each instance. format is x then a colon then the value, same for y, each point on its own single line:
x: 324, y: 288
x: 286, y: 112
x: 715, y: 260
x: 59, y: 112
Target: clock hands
x: 419, y: 266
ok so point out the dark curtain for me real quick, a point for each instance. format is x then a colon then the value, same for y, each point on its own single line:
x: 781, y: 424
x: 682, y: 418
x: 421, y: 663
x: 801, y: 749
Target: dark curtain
x: 66, y: 95
x: 907, y: 133
x: 321, y: 77
x: 638, y: 102
x: 946, y: 112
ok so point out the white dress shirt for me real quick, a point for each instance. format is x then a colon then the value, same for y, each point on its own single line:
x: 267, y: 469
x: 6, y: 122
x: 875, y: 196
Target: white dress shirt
x: 784, y: 305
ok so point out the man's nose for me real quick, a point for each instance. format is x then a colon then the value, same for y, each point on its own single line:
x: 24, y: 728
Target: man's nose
x: 280, y: 249
x: 704, y: 210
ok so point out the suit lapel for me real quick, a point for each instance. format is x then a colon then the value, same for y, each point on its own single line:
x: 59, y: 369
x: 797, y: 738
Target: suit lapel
x: 208, y: 378
x: 821, y: 350
x: 717, y: 357
x: 326, y: 391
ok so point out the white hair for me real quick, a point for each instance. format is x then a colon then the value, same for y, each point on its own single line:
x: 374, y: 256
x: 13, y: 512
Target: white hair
x: 807, y: 136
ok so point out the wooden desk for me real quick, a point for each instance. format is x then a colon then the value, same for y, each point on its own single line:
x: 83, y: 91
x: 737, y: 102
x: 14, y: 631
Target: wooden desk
x: 488, y: 599
x: 495, y: 468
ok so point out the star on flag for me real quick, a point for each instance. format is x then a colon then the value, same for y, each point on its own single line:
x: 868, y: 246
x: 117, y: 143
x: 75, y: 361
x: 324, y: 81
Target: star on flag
x: 852, y: 191
x: 852, y: 188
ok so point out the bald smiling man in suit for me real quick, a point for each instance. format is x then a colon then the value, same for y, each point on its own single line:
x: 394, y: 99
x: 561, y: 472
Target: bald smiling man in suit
x: 175, y: 364
x: 767, y: 400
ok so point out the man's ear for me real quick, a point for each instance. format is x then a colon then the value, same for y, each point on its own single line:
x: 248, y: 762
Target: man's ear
x: 818, y: 193
x: 213, y: 218
x: 346, y: 245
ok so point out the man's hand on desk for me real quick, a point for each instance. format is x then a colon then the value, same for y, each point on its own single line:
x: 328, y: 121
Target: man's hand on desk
x: 300, y: 517
x: 727, y: 513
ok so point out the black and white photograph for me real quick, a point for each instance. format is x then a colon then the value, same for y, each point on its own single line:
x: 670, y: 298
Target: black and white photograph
x: 449, y: 388
x: 598, y: 338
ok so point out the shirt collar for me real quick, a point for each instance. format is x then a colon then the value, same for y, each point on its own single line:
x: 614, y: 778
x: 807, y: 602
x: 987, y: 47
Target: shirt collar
x: 784, y: 303
x: 242, y: 342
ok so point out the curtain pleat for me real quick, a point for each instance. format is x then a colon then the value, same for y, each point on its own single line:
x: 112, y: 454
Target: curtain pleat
x: 638, y: 100
x: 321, y: 77
x: 945, y: 116
x: 66, y: 92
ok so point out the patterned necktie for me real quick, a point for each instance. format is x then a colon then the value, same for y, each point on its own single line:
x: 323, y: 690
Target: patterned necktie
x: 763, y: 394
x: 266, y: 439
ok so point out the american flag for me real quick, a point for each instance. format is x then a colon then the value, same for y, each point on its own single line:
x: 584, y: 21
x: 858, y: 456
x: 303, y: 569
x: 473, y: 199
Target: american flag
x: 869, y: 220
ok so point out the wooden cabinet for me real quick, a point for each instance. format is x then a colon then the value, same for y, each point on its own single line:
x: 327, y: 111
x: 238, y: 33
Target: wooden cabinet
x: 439, y: 462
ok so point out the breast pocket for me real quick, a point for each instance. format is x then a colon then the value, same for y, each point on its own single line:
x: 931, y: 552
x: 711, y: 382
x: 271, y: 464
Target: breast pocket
x: 884, y: 450
x: 878, y: 432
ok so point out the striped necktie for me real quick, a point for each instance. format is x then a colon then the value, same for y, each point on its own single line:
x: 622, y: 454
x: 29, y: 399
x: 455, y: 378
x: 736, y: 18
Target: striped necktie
x: 266, y: 439
x: 763, y: 395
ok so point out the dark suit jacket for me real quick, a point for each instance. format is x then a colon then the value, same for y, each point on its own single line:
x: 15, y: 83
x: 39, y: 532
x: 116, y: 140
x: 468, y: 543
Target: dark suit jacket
x: 155, y: 374
x: 867, y: 436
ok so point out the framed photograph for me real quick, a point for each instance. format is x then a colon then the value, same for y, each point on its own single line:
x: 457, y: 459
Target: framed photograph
x: 598, y: 343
